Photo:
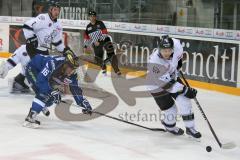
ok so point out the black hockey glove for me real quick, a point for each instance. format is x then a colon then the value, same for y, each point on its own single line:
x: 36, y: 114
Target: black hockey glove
x: 31, y: 46
x: 56, y: 96
x: 68, y: 51
x: 87, y: 107
x: 189, y: 92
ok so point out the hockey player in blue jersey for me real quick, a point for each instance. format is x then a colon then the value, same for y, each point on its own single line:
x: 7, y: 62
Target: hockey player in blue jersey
x: 44, y: 74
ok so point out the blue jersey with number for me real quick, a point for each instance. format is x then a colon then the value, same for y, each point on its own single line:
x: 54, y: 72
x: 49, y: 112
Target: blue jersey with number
x: 47, y: 71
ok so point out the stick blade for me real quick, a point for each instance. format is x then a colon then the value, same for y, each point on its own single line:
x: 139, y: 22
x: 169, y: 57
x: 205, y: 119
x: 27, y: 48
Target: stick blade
x: 158, y: 129
x: 229, y: 145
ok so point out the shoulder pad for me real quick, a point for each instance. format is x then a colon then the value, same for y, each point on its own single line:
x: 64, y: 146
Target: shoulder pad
x: 41, y: 17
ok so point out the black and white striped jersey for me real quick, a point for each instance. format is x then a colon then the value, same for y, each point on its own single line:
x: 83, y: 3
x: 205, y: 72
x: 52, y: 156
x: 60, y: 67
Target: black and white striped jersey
x: 95, y: 32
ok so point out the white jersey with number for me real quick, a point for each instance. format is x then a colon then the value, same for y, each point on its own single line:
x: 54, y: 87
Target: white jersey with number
x: 47, y: 31
x: 161, y: 71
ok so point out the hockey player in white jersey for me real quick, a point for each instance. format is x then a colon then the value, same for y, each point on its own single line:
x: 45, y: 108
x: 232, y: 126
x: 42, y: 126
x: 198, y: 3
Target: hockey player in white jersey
x: 165, y: 86
x: 44, y: 30
x: 19, y: 56
x: 40, y: 32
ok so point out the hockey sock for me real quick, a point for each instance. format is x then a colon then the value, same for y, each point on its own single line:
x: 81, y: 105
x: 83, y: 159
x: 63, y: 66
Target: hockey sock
x: 20, y: 79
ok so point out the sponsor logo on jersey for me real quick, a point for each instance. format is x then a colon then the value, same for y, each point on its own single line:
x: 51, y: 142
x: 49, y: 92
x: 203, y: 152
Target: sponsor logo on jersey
x: 156, y: 70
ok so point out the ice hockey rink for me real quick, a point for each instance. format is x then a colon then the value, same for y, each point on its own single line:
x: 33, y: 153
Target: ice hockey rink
x: 106, y: 139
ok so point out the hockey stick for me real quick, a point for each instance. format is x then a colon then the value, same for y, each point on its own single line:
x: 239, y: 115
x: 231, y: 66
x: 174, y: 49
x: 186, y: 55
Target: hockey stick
x: 111, y: 117
x: 229, y: 145
x: 96, y: 90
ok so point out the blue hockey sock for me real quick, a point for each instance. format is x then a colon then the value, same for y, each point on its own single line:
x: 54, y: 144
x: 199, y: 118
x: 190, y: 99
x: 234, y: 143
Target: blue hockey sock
x: 37, y: 105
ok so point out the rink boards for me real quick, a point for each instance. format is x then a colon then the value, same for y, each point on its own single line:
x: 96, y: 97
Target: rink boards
x: 211, y: 56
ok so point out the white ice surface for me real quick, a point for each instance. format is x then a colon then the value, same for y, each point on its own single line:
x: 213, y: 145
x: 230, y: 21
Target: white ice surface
x: 106, y: 139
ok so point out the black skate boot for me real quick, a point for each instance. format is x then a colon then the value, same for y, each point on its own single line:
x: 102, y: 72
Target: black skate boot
x: 19, y: 85
x: 176, y: 131
x: 171, y: 128
x: 31, y: 121
x: 18, y: 88
x: 193, y: 133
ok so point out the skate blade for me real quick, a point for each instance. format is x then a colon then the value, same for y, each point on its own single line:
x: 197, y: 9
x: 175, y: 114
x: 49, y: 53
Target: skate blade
x: 193, y: 138
x: 30, y: 125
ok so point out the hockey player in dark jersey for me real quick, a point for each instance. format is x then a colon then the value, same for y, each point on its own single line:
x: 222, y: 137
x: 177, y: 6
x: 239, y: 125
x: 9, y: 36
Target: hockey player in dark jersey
x: 44, y: 74
x: 96, y: 35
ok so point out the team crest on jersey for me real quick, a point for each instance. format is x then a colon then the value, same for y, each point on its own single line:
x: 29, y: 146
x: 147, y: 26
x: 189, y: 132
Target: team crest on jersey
x: 42, y: 17
x: 50, y: 24
x: 156, y: 70
x: 47, y: 40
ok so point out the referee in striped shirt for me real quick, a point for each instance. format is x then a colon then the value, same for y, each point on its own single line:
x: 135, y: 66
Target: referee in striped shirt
x: 96, y: 35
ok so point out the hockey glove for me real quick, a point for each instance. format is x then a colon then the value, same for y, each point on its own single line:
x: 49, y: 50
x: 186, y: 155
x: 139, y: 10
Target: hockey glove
x: 87, y: 107
x: 68, y: 51
x: 170, y: 80
x: 31, y: 46
x: 56, y: 96
x: 189, y: 92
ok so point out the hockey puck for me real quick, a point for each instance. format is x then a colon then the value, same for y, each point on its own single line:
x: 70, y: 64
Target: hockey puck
x: 208, y: 148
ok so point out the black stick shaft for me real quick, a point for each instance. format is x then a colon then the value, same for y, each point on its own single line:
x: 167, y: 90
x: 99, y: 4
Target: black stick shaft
x: 203, y: 113
x: 121, y: 120
x: 160, y: 129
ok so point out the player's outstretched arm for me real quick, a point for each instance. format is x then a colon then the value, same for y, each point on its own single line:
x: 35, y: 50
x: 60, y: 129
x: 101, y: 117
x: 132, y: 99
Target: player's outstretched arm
x: 78, y: 96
